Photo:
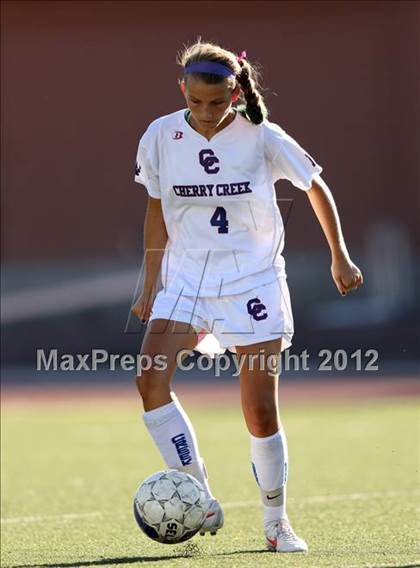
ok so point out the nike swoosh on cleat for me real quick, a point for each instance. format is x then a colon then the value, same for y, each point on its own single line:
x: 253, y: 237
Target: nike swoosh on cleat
x: 273, y: 542
x: 210, y: 515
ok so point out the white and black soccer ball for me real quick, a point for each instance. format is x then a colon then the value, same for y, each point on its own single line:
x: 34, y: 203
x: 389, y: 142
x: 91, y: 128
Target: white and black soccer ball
x: 170, y: 506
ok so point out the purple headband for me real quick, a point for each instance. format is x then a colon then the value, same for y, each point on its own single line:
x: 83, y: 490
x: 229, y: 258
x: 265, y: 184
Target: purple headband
x: 208, y: 67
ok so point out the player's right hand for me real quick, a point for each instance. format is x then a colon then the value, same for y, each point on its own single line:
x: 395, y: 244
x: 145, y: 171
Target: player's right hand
x: 143, y: 305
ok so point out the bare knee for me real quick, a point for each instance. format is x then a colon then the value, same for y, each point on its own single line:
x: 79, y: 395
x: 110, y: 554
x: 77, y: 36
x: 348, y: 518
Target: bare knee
x: 154, y: 388
x: 262, y: 419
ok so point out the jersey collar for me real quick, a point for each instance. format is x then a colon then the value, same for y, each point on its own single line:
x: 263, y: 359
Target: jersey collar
x: 186, y: 114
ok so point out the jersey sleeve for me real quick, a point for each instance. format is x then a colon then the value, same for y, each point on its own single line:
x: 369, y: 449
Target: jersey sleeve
x: 287, y: 158
x: 147, y: 162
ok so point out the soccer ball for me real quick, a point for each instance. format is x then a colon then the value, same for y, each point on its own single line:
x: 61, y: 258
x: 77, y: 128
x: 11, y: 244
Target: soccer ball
x: 170, y: 506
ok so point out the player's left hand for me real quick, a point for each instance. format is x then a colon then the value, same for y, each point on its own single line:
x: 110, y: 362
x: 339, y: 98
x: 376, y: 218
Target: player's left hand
x: 346, y: 275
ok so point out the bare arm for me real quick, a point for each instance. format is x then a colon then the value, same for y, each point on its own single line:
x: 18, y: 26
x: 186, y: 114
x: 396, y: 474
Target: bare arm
x: 155, y: 238
x: 346, y: 275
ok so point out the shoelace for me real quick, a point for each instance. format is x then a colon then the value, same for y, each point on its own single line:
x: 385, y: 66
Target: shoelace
x: 287, y: 530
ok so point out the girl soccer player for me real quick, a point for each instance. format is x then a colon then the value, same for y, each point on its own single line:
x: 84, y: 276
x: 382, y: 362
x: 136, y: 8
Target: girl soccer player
x: 214, y: 231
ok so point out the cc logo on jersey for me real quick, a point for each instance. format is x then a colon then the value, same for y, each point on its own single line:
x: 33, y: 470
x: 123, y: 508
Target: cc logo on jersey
x: 255, y: 307
x: 207, y: 160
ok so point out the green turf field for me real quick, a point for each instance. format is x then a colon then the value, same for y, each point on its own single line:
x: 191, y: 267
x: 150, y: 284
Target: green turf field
x: 69, y: 474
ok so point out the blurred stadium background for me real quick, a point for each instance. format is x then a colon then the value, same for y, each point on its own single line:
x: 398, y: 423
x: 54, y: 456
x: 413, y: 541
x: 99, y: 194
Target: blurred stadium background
x: 82, y: 80
x: 80, y: 83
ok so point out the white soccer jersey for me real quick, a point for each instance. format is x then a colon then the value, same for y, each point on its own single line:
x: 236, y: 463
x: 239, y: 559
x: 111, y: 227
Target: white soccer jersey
x: 225, y: 231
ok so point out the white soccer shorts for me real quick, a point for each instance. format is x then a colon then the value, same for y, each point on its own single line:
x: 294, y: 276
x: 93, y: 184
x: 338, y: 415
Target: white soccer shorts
x: 261, y: 314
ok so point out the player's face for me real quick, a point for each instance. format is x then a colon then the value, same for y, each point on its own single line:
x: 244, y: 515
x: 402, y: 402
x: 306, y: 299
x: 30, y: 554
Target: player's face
x: 209, y: 104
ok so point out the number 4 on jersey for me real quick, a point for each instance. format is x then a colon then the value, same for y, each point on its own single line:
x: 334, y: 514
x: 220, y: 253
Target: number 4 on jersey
x: 219, y: 220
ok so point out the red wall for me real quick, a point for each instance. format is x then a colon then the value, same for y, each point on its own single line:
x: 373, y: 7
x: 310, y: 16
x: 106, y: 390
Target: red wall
x: 81, y: 81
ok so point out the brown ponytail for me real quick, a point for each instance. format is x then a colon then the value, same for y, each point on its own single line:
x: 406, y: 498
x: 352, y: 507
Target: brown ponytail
x: 255, y: 108
x: 252, y: 105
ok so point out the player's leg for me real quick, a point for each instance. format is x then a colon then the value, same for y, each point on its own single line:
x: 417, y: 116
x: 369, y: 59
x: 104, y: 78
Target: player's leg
x: 164, y: 416
x: 259, y: 390
x: 164, y: 339
x: 269, y: 454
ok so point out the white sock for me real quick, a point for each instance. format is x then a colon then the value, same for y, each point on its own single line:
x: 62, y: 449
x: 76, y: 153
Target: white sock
x: 269, y: 462
x: 174, y: 435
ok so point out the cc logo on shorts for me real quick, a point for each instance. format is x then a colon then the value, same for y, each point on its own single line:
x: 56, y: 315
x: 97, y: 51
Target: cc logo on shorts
x: 207, y: 160
x: 255, y: 307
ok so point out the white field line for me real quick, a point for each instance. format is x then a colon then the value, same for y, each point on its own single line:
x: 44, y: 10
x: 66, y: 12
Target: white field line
x: 228, y: 505
x: 330, y: 498
x: 42, y: 518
